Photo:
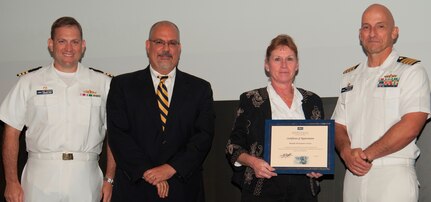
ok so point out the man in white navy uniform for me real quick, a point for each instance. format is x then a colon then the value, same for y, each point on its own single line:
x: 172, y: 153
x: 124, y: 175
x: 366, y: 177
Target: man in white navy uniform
x: 383, y: 105
x: 62, y: 105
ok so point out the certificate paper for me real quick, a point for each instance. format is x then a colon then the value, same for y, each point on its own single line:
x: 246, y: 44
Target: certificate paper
x: 300, y: 146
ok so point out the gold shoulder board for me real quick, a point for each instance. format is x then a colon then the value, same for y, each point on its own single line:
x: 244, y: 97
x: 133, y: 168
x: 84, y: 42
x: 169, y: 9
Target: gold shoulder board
x: 408, y: 61
x: 28, y: 71
x: 96, y: 70
x: 350, y: 69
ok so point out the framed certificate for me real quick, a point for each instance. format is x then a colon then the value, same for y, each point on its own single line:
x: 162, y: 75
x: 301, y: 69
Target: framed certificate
x: 300, y: 146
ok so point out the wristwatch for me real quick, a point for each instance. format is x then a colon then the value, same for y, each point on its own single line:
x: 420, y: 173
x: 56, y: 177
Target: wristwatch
x: 109, y: 180
x: 368, y: 160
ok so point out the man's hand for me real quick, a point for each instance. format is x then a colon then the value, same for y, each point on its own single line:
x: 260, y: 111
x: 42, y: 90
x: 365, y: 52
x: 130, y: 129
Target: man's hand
x: 110, y: 173
x: 163, y: 189
x: 14, y: 192
x: 355, y: 161
x: 158, y: 174
x: 106, y: 191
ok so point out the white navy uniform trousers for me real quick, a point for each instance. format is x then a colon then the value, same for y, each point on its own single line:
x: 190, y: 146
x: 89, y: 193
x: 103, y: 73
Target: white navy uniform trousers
x: 371, y: 101
x: 60, y: 119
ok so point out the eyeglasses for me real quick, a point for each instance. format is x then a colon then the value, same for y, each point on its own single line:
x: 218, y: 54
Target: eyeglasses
x: 170, y: 43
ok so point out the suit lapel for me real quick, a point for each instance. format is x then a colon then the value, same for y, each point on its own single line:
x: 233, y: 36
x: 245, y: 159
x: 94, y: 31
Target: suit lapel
x: 149, y: 96
x: 307, y: 107
x: 179, y: 96
x: 266, y: 106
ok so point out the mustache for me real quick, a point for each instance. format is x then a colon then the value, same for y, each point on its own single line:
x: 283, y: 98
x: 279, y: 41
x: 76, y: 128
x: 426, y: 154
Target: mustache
x: 165, y: 54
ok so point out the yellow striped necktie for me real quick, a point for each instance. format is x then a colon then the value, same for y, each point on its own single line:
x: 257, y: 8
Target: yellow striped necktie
x: 163, y: 100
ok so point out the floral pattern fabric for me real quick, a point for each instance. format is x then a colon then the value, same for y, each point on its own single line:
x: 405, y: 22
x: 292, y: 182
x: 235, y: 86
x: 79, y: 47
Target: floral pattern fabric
x: 248, y: 133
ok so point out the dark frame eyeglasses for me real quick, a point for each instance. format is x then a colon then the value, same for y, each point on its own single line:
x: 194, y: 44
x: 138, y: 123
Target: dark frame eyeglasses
x: 170, y: 43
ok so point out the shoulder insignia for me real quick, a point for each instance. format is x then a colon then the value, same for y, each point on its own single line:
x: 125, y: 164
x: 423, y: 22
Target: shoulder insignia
x: 350, y: 69
x: 408, y: 61
x: 105, y: 73
x: 28, y: 71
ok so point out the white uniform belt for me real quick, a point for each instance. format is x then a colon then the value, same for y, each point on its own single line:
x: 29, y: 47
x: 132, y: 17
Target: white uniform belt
x: 64, y: 156
x: 393, y: 161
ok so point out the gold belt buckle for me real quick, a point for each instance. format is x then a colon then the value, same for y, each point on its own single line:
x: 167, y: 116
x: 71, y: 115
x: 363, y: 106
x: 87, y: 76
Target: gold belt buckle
x: 67, y: 156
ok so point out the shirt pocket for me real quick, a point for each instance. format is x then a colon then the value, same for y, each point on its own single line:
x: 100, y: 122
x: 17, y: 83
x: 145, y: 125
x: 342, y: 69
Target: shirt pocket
x: 89, y: 109
x: 46, y: 108
x: 388, y: 99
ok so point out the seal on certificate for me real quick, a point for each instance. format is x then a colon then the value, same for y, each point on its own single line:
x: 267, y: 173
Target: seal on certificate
x: 303, y: 160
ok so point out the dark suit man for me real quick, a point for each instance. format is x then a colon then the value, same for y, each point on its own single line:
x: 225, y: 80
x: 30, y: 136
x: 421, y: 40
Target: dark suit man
x: 159, y: 144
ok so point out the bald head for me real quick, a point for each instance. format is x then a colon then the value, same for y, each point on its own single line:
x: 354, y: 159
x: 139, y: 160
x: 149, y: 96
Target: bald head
x: 163, y: 23
x: 379, y: 10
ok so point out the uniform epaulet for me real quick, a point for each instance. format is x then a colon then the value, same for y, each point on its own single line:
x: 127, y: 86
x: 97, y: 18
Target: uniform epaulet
x: 408, y: 61
x: 350, y: 69
x: 28, y: 71
x: 96, y: 70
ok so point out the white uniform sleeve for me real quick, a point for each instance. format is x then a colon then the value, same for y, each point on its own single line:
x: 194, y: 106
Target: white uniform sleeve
x: 415, y: 91
x: 13, y: 108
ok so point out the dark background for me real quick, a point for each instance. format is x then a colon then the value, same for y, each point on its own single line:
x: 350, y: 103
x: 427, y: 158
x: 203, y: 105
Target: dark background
x: 217, y: 171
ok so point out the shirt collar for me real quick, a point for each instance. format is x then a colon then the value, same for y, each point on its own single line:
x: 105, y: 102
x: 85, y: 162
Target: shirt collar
x: 297, y: 96
x: 280, y: 110
x: 388, y: 61
x: 155, y: 75
x: 81, y: 74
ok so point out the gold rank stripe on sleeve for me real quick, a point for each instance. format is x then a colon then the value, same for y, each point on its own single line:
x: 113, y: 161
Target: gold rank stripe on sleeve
x: 100, y: 71
x: 408, y: 61
x: 28, y: 71
x: 350, y: 69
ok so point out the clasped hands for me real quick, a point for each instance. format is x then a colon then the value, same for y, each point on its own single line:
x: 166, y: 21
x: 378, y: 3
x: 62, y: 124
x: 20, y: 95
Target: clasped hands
x: 159, y: 176
x: 356, y: 161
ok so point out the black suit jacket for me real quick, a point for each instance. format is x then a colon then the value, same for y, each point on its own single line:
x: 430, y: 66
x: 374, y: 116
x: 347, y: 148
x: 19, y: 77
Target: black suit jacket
x: 138, y: 142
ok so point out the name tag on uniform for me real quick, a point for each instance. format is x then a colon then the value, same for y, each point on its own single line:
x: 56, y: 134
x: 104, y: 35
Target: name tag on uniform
x: 44, y: 92
x: 348, y: 88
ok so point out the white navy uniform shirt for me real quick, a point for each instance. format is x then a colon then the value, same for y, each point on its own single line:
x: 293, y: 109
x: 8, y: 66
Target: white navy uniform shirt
x: 59, y: 117
x: 374, y: 99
